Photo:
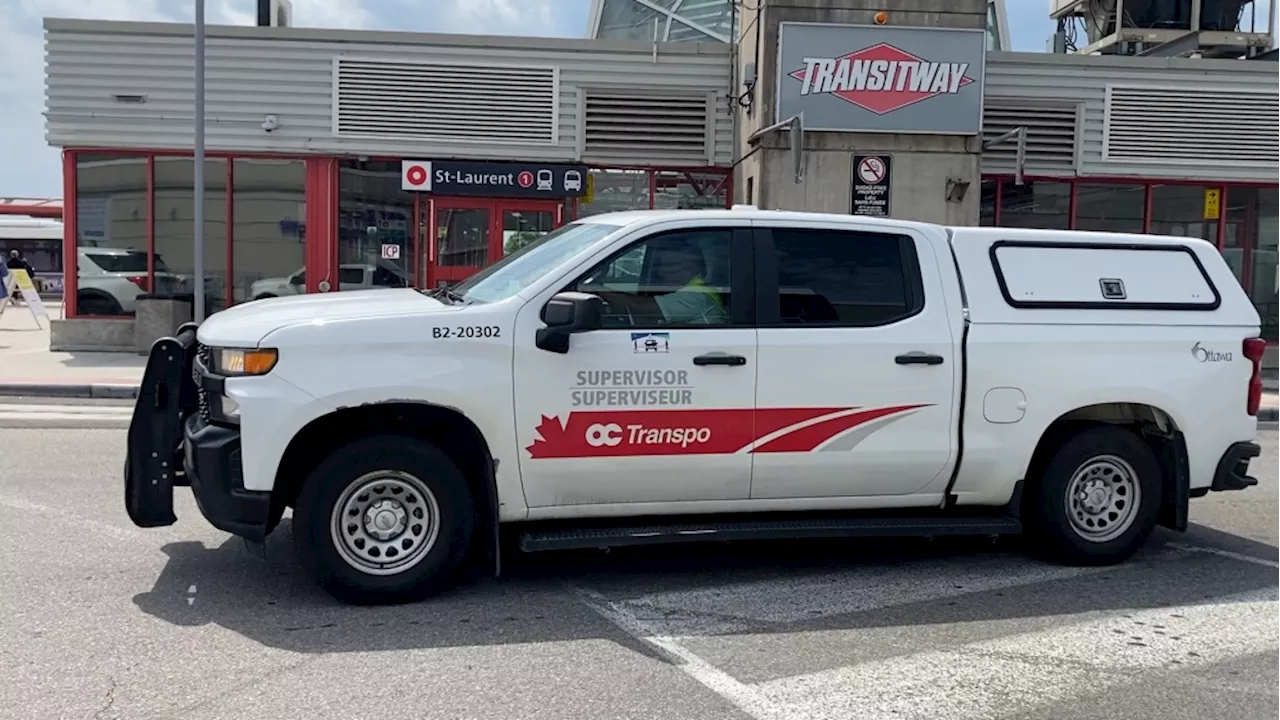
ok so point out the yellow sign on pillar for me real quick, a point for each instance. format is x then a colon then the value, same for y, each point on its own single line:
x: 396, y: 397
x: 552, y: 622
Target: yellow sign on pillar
x: 1212, y: 204
x: 589, y: 196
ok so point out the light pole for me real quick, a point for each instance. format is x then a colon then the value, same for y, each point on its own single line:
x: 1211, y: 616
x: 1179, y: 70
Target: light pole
x: 198, y: 183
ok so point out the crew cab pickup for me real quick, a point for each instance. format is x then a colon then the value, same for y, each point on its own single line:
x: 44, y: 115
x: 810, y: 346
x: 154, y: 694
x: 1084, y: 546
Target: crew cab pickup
x: 714, y: 375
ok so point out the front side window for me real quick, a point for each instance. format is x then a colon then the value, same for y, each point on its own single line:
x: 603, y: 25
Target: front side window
x: 673, y: 279
x: 845, y: 278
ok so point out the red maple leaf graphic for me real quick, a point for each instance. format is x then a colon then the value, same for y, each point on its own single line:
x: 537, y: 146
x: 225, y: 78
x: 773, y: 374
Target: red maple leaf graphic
x: 889, y: 98
x: 550, y: 435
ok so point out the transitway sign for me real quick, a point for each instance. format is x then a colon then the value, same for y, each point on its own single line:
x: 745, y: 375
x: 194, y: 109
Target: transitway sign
x: 872, y: 78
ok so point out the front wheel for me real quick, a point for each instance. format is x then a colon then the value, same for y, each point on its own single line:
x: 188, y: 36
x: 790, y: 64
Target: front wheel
x: 1098, y: 499
x: 385, y: 519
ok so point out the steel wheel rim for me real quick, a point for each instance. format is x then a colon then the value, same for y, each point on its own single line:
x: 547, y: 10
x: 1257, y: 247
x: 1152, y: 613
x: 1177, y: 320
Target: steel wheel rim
x: 385, y: 522
x: 1103, y: 498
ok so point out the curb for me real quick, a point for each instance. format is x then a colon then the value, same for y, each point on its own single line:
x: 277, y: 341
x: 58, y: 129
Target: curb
x: 117, y: 391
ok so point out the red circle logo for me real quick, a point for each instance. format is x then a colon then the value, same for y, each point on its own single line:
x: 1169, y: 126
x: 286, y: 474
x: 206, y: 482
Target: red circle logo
x: 525, y: 178
x: 416, y: 175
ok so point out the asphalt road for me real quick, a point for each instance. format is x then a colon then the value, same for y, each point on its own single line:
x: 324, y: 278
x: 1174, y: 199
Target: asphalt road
x: 100, y: 619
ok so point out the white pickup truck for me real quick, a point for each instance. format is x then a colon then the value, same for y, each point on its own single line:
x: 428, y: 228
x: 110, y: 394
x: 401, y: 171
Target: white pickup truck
x: 715, y: 375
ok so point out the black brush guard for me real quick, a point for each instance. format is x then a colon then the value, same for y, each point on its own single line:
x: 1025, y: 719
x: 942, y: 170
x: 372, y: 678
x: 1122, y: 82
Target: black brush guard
x: 154, y: 460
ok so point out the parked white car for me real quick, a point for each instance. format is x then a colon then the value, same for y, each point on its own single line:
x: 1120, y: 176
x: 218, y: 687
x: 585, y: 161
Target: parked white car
x: 109, y: 280
x: 351, y: 276
x: 672, y: 376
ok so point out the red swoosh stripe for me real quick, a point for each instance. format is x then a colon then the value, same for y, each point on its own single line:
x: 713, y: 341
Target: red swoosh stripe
x: 807, y: 438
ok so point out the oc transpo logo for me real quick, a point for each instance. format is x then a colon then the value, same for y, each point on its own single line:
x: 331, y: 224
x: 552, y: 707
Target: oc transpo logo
x: 1205, y: 355
x: 881, y: 78
x: 599, y: 435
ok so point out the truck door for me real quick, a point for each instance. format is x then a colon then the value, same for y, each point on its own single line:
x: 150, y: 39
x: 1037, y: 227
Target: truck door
x: 849, y: 324
x: 657, y: 405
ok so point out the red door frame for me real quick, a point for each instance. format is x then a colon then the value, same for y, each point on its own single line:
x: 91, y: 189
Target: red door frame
x: 435, y: 273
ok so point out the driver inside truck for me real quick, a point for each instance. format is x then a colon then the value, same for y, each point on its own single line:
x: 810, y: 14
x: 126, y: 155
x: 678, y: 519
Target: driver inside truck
x: 682, y: 265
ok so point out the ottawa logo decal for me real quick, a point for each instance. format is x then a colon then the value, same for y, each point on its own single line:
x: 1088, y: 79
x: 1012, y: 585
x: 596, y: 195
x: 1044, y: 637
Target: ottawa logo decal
x: 633, y: 433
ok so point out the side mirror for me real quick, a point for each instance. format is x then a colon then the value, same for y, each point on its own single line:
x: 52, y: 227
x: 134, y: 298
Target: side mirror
x: 565, y: 314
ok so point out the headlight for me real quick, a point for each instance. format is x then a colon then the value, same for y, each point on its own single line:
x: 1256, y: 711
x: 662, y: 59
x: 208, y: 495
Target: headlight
x: 244, y: 362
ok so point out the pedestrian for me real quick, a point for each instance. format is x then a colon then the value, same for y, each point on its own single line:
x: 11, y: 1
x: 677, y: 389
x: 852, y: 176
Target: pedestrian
x: 17, y: 262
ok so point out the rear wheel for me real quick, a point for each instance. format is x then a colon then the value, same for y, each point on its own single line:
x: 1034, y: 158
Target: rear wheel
x: 97, y: 304
x: 383, y: 520
x: 1098, y: 499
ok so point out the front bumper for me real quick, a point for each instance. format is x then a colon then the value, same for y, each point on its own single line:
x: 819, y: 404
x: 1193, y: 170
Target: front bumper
x: 1232, y: 472
x: 173, y: 442
x: 211, y: 460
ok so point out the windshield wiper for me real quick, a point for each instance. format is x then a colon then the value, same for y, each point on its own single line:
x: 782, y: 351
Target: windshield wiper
x: 452, y: 296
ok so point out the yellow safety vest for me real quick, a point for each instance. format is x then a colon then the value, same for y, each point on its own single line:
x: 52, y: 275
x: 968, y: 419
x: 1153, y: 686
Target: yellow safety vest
x: 700, y: 285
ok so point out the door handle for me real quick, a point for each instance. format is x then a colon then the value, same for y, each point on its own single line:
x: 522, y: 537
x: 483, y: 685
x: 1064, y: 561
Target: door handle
x: 719, y: 358
x: 915, y: 357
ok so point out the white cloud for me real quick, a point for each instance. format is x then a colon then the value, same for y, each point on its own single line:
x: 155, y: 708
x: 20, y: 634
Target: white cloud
x: 30, y: 168
x: 504, y: 17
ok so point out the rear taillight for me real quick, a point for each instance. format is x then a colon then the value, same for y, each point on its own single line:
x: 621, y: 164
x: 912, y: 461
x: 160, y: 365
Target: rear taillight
x: 141, y: 282
x: 1253, y: 349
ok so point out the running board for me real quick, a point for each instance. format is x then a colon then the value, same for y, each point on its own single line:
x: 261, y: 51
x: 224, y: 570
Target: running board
x: 604, y: 537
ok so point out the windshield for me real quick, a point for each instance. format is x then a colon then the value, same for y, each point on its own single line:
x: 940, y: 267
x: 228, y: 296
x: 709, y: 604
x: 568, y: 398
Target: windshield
x: 521, y: 268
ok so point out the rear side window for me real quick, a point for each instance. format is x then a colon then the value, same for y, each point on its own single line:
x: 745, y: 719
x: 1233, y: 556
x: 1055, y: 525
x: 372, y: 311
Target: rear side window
x: 133, y: 262
x: 843, y: 278
x: 1048, y: 274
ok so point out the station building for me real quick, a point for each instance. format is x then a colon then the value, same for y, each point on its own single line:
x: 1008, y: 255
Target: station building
x: 341, y: 159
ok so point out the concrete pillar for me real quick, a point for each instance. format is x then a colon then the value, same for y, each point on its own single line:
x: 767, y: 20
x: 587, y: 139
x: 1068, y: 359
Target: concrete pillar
x: 928, y: 166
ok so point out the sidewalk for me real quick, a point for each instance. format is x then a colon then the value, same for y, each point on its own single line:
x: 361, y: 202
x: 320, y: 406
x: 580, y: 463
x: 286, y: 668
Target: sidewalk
x: 28, y: 368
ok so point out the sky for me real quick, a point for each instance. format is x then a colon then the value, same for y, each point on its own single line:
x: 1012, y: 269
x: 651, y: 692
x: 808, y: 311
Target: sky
x: 30, y: 168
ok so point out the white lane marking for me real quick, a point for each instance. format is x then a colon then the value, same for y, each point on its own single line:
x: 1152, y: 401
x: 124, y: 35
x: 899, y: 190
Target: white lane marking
x: 1224, y: 553
x: 66, y: 409
x: 1093, y: 652
x: 86, y: 417
x: 743, y: 696
x: 781, y: 600
x: 1015, y: 674
x: 71, y: 519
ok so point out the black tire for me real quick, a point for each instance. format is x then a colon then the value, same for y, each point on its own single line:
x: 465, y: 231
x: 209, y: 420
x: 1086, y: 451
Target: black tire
x: 1048, y: 512
x: 436, y: 567
x: 97, y: 304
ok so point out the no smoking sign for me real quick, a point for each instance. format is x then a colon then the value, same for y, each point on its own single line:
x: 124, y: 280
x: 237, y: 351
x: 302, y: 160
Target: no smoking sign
x: 872, y: 178
x: 871, y: 170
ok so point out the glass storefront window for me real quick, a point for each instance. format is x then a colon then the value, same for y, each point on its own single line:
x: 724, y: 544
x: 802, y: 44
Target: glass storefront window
x: 1035, y: 204
x: 1180, y: 210
x: 463, y: 235
x: 681, y: 190
x: 268, y: 232
x: 1241, y: 227
x: 373, y: 212
x: 1110, y: 208
x: 1250, y: 248
x: 522, y: 227
x: 616, y: 190
x: 987, y: 205
x: 111, y: 234
x: 174, y: 213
